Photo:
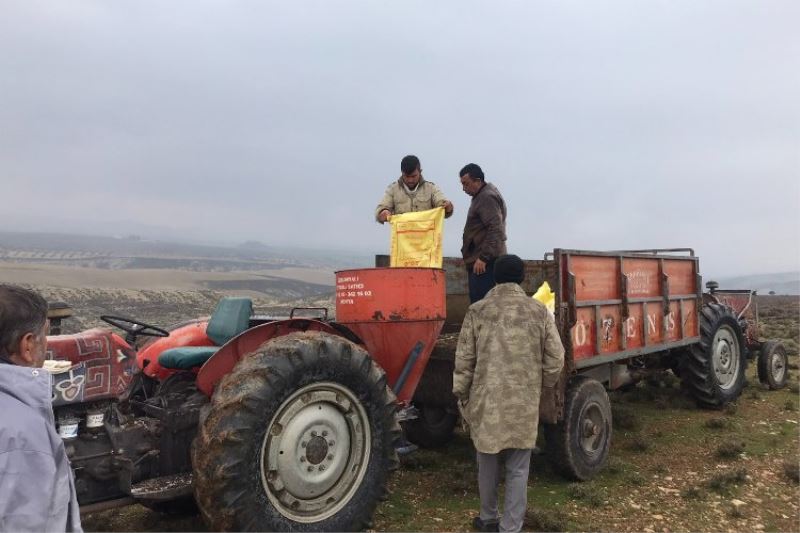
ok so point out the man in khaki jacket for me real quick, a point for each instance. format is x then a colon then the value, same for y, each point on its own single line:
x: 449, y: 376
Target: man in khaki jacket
x: 508, y: 351
x: 411, y: 193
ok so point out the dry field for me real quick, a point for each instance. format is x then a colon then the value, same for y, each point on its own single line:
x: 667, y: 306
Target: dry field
x: 673, y: 467
x: 165, y: 296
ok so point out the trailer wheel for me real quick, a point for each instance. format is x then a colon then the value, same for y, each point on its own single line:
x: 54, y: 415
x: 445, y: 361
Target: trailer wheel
x: 578, y: 445
x: 300, y: 436
x: 434, y: 427
x: 715, y: 367
x: 772, y: 365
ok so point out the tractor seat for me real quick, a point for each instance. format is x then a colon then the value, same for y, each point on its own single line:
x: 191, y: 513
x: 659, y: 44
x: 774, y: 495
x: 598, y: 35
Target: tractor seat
x: 230, y: 318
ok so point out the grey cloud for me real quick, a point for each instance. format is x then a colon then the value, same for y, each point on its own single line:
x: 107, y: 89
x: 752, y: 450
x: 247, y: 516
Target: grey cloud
x: 606, y: 124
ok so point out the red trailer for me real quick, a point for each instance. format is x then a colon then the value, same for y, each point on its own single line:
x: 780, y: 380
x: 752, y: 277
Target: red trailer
x: 621, y: 315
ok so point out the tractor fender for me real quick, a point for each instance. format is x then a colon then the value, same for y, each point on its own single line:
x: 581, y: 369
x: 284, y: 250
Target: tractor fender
x: 223, y: 361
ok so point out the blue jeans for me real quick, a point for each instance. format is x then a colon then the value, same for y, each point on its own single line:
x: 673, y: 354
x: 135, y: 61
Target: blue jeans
x: 479, y: 285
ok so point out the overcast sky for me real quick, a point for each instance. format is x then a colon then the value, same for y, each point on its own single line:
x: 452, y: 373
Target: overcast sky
x: 605, y: 125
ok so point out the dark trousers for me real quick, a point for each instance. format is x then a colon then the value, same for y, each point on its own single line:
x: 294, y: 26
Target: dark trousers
x: 479, y: 285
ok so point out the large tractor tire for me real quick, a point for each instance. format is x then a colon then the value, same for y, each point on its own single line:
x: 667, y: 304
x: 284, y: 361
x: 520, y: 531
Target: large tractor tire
x: 578, y: 446
x: 433, y: 428
x: 714, y: 368
x: 299, y: 436
x: 772, y: 365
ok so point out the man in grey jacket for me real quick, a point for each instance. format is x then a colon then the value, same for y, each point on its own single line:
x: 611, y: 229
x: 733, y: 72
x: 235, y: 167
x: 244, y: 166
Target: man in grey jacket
x: 37, y: 490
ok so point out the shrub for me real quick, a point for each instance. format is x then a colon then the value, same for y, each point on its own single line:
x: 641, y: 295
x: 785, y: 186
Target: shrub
x: 635, y: 479
x: 624, y: 418
x: 639, y: 443
x: 730, y: 449
x: 693, y: 493
x: 588, y: 493
x: 722, y: 483
x: 546, y: 520
x: 791, y: 469
x: 718, y: 423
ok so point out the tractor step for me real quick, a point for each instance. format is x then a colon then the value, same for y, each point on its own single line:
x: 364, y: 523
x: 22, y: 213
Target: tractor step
x: 163, y: 488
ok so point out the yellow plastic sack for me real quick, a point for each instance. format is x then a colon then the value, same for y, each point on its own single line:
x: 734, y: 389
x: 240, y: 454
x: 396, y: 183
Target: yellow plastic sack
x: 417, y: 239
x: 546, y: 296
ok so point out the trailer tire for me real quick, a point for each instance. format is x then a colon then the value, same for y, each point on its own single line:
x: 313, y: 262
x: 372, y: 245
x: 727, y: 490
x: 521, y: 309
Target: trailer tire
x: 434, y: 427
x: 772, y: 365
x: 578, y: 446
x: 714, y: 368
x: 323, y: 401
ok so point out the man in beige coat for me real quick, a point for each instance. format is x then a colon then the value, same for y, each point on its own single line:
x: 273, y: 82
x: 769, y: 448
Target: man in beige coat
x: 411, y: 193
x: 508, y: 350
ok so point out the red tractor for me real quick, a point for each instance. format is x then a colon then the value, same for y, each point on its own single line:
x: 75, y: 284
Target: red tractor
x: 269, y: 424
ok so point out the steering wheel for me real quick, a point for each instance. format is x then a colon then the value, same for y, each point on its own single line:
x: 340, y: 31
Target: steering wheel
x: 134, y: 328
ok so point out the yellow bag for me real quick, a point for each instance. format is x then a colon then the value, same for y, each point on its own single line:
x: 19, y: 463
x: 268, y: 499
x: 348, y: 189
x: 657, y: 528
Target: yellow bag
x: 546, y: 297
x: 417, y: 239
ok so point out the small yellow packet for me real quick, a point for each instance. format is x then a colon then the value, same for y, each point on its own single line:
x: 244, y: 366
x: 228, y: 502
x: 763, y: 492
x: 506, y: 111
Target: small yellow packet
x: 546, y: 296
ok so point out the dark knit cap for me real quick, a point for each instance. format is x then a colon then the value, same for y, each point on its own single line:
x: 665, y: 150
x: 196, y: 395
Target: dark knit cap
x: 509, y: 269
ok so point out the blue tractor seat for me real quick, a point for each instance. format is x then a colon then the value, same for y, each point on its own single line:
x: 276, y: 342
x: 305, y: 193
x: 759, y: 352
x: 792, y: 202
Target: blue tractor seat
x: 230, y: 318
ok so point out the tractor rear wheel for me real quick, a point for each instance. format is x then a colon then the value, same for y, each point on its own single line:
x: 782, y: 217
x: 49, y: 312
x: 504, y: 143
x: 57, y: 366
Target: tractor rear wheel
x: 772, y: 365
x: 434, y: 427
x: 299, y: 436
x: 578, y: 445
x: 714, y: 368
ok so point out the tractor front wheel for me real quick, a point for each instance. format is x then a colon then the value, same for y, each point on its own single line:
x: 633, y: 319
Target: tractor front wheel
x: 772, y: 365
x: 300, y: 436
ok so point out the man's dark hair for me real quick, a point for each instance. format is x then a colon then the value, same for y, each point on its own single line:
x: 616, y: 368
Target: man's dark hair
x: 409, y: 164
x: 21, y: 312
x: 473, y: 170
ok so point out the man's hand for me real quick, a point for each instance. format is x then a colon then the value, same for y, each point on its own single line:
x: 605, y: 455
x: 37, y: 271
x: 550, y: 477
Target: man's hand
x: 462, y: 409
x: 548, y: 408
x: 448, y: 207
x: 384, y: 215
x: 479, y: 267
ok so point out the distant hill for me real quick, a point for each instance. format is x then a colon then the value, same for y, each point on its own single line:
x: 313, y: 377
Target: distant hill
x: 133, y: 251
x: 781, y: 283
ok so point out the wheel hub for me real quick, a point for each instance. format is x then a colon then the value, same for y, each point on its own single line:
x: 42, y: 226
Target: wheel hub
x: 315, y: 452
x: 778, y: 365
x: 725, y: 354
x: 592, y: 429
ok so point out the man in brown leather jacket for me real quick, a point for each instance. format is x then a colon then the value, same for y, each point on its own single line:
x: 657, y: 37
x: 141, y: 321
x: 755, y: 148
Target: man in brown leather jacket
x: 484, y: 231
